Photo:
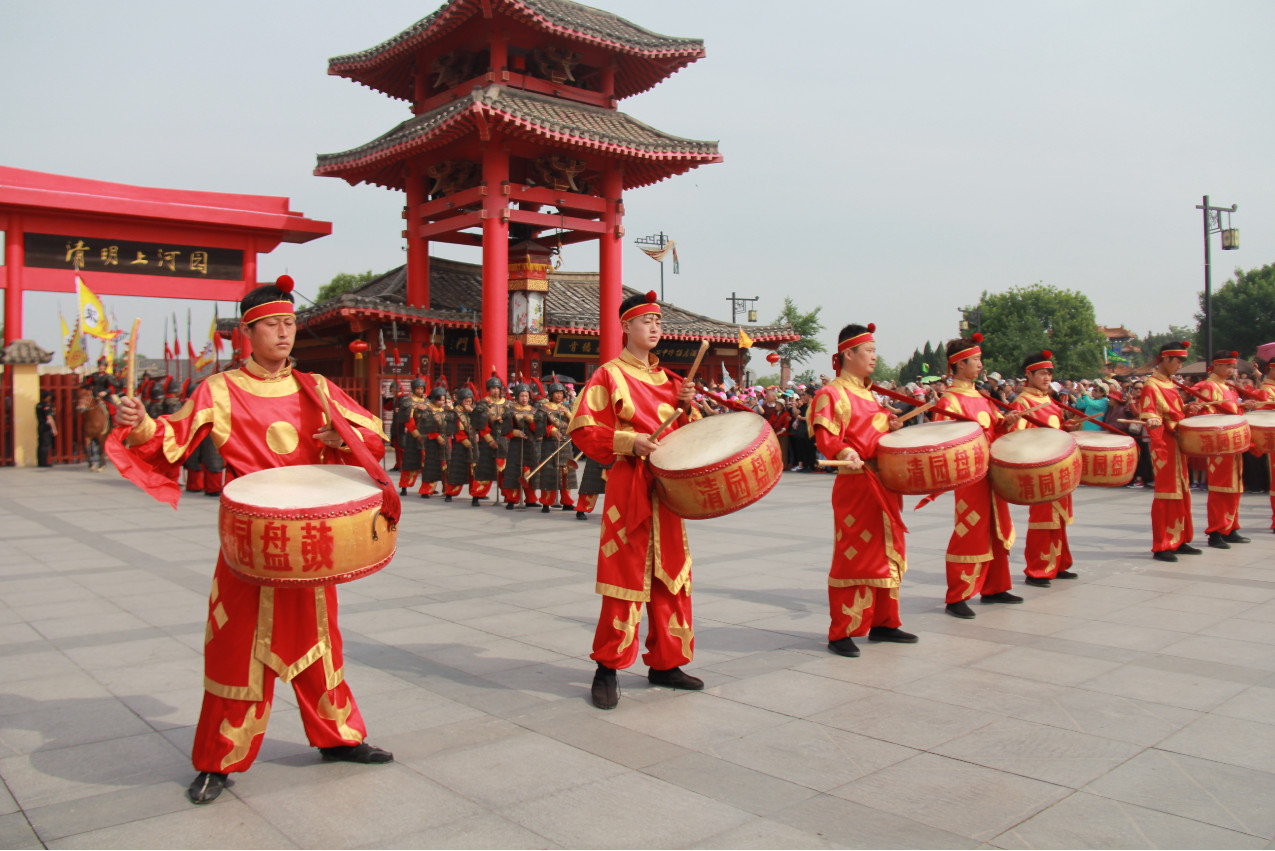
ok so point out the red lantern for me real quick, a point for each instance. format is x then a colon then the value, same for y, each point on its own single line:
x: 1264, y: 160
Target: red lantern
x: 773, y: 357
x: 358, y: 347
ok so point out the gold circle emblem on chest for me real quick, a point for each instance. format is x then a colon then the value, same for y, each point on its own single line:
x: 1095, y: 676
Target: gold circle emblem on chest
x: 281, y: 437
x: 984, y: 419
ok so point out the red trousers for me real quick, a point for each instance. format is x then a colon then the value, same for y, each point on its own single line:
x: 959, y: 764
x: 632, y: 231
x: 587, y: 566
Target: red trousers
x: 857, y: 608
x: 1224, y: 494
x: 230, y: 732
x: 670, y: 640
x: 512, y: 490
x: 586, y: 501
x: 1047, y: 551
x: 1171, y: 524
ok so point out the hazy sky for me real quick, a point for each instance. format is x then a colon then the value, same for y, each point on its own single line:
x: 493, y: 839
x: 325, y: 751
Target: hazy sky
x: 886, y: 160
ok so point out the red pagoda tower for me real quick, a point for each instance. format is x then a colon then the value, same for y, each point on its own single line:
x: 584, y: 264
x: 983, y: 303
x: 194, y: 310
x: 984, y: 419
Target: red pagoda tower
x: 514, y: 134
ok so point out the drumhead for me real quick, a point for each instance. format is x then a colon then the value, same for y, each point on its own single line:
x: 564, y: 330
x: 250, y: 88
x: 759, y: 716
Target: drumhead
x: 1212, y: 421
x: 930, y: 434
x: 303, y: 486
x: 1261, y: 419
x: 1032, y: 446
x: 708, y: 441
x: 1103, y: 440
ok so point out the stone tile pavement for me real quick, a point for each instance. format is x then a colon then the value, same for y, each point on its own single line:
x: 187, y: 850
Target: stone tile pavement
x: 1133, y: 707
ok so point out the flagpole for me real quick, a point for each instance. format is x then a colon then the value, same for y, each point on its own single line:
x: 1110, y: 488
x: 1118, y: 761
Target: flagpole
x: 190, y: 348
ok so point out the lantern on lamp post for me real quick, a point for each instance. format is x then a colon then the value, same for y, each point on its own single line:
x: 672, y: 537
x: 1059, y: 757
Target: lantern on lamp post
x: 1230, y: 242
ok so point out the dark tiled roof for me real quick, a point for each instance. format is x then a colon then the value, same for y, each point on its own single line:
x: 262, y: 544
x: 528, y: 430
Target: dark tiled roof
x: 25, y: 352
x: 650, y: 155
x: 571, y: 306
x: 645, y: 58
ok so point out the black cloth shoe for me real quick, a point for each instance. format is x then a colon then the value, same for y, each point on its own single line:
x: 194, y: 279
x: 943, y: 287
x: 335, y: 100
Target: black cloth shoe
x: 424, y: 496
x: 362, y: 753
x: 1165, y: 555
x: 1216, y: 541
x: 1236, y: 538
x: 891, y: 633
x: 1002, y: 597
x: 447, y: 498
x: 402, y: 491
x: 1188, y: 550
x: 474, y: 502
x: 1039, y: 582
x: 568, y: 508
x: 580, y: 515
x: 960, y: 609
x: 844, y: 647
x: 544, y: 509
x: 605, y: 691
x: 1065, y: 574
x: 207, y: 787
x: 509, y: 506
x: 674, y: 678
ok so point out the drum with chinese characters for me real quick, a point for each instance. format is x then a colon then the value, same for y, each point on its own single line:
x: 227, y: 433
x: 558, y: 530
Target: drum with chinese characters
x: 1034, y: 465
x: 1210, y: 435
x: 313, y: 524
x: 932, y: 457
x: 1261, y: 426
x: 716, y: 466
x: 1107, y: 460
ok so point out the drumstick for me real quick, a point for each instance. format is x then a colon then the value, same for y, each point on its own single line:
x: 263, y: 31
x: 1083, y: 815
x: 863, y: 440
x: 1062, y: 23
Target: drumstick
x: 917, y: 411
x: 1108, y: 426
x: 899, y: 397
x: 1006, y: 408
x: 835, y: 462
x: 703, y: 347
x: 130, y: 360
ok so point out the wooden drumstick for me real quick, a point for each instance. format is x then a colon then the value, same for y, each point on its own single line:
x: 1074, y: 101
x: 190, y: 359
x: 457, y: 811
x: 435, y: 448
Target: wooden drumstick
x: 130, y: 360
x: 917, y: 411
x: 703, y: 347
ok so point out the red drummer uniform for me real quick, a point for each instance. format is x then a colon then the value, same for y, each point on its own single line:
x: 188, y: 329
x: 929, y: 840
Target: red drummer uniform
x: 1171, y: 524
x: 643, y: 555
x: 978, y: 551
x: 1266, y: 393
x: 1046, y: 549
x: 869, y: 554
x: 255, y: 634
x: 1225, y: 484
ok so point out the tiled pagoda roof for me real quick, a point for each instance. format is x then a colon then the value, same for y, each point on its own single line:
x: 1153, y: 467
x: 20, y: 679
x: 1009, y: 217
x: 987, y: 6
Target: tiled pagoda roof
x: 650, y: 155
x: 644, y: 58
x: 571, y: 306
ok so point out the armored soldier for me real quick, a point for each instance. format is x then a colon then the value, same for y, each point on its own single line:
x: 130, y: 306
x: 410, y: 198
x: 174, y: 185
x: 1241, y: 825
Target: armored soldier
x: 398, y: 421
x: 411, y: 455
x: 593, y: 481
x: 103, y: 385
x: 522, y: 456
x: 490, y: 422
x: 155, y: 404
x: 431, y: 423
x: 460, y: 433
x: 557, y: 476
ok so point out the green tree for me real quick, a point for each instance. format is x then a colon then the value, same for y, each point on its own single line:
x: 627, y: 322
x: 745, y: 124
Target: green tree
x: 807, y: 325
x: 1151, y: 343
x: 343, y: 283
x: 1027, y: 319
x: 1243, y: 312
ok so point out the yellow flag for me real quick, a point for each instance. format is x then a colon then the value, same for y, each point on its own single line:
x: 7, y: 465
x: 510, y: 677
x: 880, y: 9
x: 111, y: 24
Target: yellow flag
x: 65, y: 331
x: 745, y: 341
x: 109, y: 355
x: 75, y: 356
x: 92, y: 316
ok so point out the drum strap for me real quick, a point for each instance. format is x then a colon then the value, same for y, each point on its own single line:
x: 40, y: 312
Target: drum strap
x: 391, y: 506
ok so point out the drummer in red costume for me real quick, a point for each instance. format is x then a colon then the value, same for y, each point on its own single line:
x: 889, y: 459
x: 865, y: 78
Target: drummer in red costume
x: 978, y: 551
x: 1161, y: 407
x: 1264, y: 395
x: 1225, y: 484
x: 1047, y: 554
x: 258, y: 418
x: 869, y: 553
x: 643, y: 557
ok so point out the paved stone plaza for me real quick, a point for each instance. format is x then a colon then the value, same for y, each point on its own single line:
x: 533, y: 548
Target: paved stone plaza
x: 1133, y: 707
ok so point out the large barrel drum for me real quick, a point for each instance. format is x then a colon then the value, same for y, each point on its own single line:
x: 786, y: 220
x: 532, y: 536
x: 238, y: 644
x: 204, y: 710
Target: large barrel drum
x: 717, y: 465
x: 1210, y: 435
x: 1035, y: 465
x: 932, y: 457
x: 1261, y: 426
x: 313, y: 524
x: 1106, y: 460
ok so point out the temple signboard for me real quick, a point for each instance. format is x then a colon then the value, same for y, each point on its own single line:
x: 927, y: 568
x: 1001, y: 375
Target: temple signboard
x: 76, y: 253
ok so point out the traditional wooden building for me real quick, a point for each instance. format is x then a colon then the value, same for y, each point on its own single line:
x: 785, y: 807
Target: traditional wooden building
x: 516, y: 146
x: 454, y: 340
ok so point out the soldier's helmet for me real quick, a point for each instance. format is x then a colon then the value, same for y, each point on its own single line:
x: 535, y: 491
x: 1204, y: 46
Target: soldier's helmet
x: 157, y: 391
x: 419, y: 384
x: 439, y: 392
x: 519, y: 388
x: 495, y: 382
x: 556, y: 387
x: 101, y: 362
x: 464, y: 393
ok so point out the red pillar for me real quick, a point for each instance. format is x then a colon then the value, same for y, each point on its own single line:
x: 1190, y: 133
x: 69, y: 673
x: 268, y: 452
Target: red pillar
x: 417, y: 261
x: 610, y: 267
x: 249, y: 284
x: 495, y: 261
x: 14, y: 257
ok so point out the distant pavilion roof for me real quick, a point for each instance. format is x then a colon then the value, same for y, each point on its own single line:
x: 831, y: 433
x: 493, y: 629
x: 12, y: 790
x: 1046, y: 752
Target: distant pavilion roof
x: 644, y: 58
x: 571, y: 306
x: 650, y: 154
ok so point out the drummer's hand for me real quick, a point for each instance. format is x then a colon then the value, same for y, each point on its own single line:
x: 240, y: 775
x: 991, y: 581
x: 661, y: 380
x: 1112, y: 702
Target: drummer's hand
x: 687, y: 393
x: 1154, y: 422
x: 1249, y: 404
x: 895, y: 423
x: 328, y: 436
x: 129, y: 412
x: 1194, y: 409
x: 1012, y: 418
x: 848, y: 454
x: 643, y: 445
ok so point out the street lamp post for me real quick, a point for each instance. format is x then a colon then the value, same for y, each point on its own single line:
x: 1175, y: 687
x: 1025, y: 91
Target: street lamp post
x: 966, y: 314
x: 658, y: 243
x: 738, y: 304
x: 1230, y: 242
